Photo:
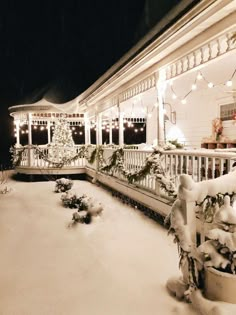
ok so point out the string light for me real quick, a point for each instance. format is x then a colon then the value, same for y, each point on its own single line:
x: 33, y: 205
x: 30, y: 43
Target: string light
x: 199, y: 76
x: 141, y: 129
x: 81, y: 133
x: 210, y: 85
x: 194, y: 86
x: 135, y: 130
x: 229, y: 83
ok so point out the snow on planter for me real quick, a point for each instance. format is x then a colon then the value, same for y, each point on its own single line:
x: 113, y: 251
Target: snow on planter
x: 210, y: 267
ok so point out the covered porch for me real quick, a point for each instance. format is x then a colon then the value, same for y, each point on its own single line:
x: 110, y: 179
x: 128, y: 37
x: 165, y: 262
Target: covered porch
x: 172, y: 92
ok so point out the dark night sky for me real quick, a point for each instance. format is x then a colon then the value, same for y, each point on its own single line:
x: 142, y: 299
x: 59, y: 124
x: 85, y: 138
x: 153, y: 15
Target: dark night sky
x: 60, y: 47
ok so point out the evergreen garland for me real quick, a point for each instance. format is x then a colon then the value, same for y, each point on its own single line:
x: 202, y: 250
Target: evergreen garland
x: 210, y: 204
x: 17, y: 154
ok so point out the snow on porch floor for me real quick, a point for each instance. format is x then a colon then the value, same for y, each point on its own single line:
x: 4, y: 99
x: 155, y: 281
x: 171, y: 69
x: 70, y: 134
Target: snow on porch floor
x: 118, y: 265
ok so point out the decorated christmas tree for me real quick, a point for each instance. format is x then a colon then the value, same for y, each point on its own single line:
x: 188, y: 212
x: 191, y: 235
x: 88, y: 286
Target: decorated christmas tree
x: 62, y: 148
x: 62, y: 135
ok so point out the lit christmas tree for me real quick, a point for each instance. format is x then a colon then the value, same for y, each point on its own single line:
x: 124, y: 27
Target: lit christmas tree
x: 62, y: 135
x: 62, y: 147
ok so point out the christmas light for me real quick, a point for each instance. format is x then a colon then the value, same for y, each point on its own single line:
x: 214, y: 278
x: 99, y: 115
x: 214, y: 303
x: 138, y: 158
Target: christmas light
x: 141, y: 129
x: 184, y: 101
x: 210, y: 85
x: 81, y: 133
x: 199, y: 76
x: 174, y: 97
x: 194, y: 87
x: 42, y: 128
x: 229, y: 83
x: 135, y: 130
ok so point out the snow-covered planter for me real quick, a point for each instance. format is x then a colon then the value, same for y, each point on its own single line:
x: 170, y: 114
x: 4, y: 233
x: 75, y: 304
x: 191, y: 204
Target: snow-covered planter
x: 63, y: 184
x: 219, y: 285
x: 210, y: 267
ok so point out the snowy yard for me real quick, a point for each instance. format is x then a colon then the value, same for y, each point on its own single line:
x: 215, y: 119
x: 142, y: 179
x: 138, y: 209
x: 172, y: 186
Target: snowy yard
x: 117, y: 265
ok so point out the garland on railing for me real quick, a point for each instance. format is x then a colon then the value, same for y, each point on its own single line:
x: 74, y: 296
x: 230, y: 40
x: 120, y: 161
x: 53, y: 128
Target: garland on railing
x: 153, y: 166
x: 64, y: 160
x: 17, y: 154
x: 210, y: 204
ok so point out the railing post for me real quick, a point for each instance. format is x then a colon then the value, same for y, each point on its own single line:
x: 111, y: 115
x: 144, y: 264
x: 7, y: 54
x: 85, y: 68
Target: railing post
x: 157, y: 188
x: 188, y: 208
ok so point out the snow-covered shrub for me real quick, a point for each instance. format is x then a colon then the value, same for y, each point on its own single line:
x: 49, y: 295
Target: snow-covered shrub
x: 63, y: 184
x: 87, y: 208
x: 70, y: 199
x: 82, y: 217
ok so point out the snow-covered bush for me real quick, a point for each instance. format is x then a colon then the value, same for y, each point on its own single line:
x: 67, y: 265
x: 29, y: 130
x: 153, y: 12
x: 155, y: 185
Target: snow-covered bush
x: 87, y: 208
x: 82, y: 217
x: 63, y: 184
x: 69, y: 199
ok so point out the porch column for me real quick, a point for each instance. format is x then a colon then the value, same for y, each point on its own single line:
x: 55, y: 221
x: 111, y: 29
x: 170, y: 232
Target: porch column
x: 49, y: 131
x: 29, y: 129
x: 121, y: 127
x: 99, y: 129
x: 160, y: 94
x: 30, y: 152
x: 151, y: 125
x: 17, y: 123
x: 110, y: 130
x: 87, y: 130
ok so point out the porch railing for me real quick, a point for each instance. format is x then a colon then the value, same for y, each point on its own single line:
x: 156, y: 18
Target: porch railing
x: 199, y: 164
x: 42, y: 157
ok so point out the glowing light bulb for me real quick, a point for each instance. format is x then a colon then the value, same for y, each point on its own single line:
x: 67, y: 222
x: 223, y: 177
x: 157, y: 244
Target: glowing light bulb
x: 184, y: 101
x: 75, y: 132
x: 174, y: 97
x: 210, y: 85
x: 27, y: 131
x: 199, y: 76
x: 135, y: 130
x: 194, y: 86
x: 81, y: 133
x: 229, y: 83
x: 141, y: 129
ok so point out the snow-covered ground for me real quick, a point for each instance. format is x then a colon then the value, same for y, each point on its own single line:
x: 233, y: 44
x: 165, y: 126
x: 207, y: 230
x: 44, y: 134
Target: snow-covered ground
x: 117, y: 265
